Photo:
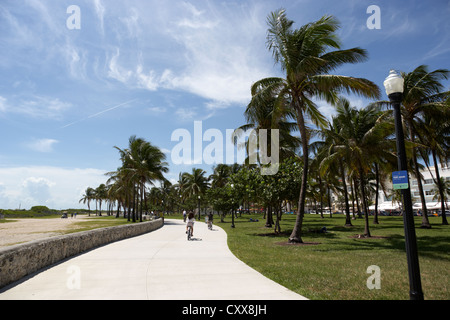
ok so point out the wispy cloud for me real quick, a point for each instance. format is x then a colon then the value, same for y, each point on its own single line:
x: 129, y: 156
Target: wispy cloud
x: 222, y: 58
x: 100, y: 10
x: 42, y: 145
x: 187, y: 114
x: 35, y: 106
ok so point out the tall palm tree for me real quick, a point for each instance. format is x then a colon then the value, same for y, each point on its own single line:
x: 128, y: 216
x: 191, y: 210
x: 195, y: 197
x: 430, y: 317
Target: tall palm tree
x: 87, y: 197
x: 307, y: 55
x: 121, y: 186
x: 421, y: 90
x: 143, y: 163
x: 196, y: 184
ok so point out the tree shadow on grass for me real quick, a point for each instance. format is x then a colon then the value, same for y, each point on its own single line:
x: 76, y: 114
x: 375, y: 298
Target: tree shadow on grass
x: 315, y: 234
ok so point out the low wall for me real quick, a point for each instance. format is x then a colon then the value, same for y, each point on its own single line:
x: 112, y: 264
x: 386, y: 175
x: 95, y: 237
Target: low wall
x: 21, y: 260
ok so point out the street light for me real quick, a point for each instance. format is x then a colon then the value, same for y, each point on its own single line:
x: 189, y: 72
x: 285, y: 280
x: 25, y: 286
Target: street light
x: 394, y: 89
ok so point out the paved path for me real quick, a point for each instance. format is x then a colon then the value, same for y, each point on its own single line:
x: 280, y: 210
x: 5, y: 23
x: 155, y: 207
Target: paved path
x: 161, y: 265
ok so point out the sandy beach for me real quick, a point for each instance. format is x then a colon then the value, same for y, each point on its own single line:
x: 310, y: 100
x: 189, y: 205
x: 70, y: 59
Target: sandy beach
x: 25, y: 230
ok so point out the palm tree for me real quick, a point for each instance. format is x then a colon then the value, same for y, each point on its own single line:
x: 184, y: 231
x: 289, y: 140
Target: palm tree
x: 196, y: 184
x: 100, y: 195
x: 362, y: 140
x: 88, y: 195
x: 142, y: 163
x: 307, y: 55
x: 219, y: 178
x: 421, y: 91
x: 330, y: 161
x: 261, y: 114
x: 441, y: 192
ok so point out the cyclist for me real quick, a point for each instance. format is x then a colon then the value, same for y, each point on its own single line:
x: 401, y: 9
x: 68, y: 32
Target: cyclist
x: 190, y: 222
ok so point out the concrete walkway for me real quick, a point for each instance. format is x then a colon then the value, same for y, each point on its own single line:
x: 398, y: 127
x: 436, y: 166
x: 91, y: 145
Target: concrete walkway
x: 161, y: 265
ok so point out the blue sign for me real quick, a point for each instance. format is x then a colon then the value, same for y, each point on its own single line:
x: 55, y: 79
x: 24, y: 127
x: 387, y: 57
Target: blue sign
x: 400, y: 180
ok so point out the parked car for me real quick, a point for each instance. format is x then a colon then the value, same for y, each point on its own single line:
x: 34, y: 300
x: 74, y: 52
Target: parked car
x: 447, y: 213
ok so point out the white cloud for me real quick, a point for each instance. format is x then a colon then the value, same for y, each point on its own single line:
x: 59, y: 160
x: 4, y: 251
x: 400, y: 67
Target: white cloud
x: 100, y: 10
x: 38, y: 190
x: 42, y: 145
x: 222, y: 53
x: 132, y: 23
x: 36, y: 107
x: 186, y: 114
x: 157, y: 110
x: 146, y: 81
x: 3, y: 106
x: 55, y: 187
x: 116, y: 71
x: 222, y: 57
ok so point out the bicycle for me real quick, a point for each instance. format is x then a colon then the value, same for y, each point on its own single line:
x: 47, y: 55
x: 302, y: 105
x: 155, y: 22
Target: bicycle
x: 189, y: 233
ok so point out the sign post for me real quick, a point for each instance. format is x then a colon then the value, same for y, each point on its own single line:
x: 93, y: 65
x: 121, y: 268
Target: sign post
x: 400, y: 180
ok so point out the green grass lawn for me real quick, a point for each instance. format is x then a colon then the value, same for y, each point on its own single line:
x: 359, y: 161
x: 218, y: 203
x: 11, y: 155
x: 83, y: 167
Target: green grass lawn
x: 334, y: 265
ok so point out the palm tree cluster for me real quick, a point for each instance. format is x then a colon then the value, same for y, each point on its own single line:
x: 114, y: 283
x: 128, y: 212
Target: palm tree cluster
x: 350, y: 156
x: 142, y: 164
x: 357, y: 145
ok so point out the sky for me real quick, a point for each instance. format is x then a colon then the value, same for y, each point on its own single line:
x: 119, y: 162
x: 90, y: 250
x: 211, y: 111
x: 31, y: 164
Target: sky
x: 80, y: 77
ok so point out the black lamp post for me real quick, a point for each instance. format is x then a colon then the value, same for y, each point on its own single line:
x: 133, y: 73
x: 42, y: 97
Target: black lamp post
x: 394, y: 89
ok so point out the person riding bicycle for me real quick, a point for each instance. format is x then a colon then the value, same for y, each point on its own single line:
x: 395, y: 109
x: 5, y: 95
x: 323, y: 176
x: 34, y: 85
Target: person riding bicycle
x: 190, y: 223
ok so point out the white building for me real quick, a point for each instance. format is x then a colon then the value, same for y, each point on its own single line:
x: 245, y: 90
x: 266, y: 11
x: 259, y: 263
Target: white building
x: 429, y: 176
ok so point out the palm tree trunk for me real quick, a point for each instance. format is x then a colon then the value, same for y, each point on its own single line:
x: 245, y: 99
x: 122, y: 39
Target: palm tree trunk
x: 329, y: 200
x: 295, y: 236
x: 425, y: 222
x: 377, y: 179
x: 269, y: 220
x: 364, y: 203
x: 320, y: 197
x: 441, y: 191
x: 358, y: 207
x: 353, y: 198
x: 348, y: 221
x: 134, y: 203
x: 141, y: 208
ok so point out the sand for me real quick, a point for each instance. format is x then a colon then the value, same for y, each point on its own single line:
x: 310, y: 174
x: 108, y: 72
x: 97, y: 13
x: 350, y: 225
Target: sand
x: 25, y: 230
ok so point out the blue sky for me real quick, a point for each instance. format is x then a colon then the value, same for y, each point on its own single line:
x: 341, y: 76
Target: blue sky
x: 147, y: 68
